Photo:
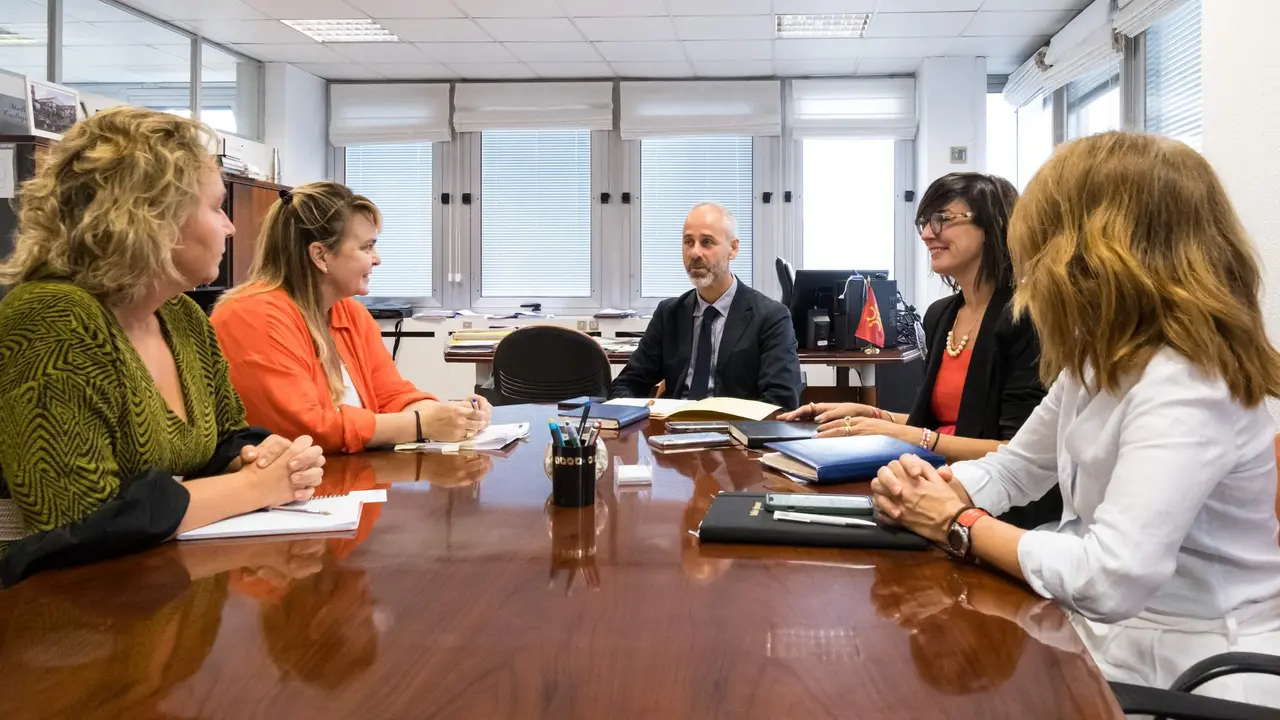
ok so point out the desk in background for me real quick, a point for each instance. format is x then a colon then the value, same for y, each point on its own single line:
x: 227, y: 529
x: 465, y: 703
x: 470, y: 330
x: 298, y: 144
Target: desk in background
x: 466, y: 596
x: 842, y: 361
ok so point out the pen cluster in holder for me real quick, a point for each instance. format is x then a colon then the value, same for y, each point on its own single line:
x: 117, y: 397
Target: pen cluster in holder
x: 573, y: 471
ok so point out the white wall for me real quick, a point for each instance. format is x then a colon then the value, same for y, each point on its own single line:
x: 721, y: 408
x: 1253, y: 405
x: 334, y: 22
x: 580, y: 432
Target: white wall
x: 296, y: 122
x: 951, y: 100
x: 1241, y: 135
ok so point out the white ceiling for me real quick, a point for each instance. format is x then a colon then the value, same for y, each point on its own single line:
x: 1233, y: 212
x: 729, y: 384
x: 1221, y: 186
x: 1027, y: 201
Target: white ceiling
x: 527, y: 39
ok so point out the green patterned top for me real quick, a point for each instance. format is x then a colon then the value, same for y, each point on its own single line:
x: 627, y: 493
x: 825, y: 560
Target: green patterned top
x: 79, y: 410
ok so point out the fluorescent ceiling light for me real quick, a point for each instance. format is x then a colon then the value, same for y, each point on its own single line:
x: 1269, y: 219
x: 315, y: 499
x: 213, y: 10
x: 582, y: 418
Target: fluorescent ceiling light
x: 829, y: 25
x: 9, y: 37
x: 330, y: 31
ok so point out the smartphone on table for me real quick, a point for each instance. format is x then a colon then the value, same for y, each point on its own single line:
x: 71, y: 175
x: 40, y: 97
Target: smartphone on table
x: 819, y: 503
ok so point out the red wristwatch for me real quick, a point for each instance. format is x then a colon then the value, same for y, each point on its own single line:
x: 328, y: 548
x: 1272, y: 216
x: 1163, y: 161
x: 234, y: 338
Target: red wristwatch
x: 959, y: 543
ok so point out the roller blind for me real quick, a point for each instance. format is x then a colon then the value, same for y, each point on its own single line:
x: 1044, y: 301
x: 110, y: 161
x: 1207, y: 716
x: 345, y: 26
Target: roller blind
x: 1174, y: 97
x: 1084, y: 46
x: 400, y: 113
x: 535, y: 210
x: 397, y: 178
x: 854, y: 107
x: 677, y: 173
x: 687, y: 108
x: 534, y: 106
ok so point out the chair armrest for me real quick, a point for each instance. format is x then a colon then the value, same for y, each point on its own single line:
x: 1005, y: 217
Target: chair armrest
x: 1231, y: 663
x: 1142, y: 700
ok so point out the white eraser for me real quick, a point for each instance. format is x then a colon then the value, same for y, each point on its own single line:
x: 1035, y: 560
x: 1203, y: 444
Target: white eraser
x: 633, y: 474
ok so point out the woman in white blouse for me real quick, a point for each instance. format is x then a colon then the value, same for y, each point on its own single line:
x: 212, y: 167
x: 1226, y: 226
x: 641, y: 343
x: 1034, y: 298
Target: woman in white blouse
x: 1144, y: 289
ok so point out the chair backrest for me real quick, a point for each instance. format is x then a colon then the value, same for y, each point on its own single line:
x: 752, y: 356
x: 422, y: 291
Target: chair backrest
x: 545, y: 364
x: 786, y: 279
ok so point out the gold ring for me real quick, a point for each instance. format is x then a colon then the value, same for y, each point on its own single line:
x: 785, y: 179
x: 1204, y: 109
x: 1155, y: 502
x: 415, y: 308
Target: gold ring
x: 848, y: 426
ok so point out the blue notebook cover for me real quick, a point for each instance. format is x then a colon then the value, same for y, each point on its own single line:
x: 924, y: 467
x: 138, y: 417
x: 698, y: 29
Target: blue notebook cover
x: 852, y: 459
x: 610, y: 416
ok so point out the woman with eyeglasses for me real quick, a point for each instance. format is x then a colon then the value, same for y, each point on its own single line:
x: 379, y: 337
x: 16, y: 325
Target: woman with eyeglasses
x: 981, y: 380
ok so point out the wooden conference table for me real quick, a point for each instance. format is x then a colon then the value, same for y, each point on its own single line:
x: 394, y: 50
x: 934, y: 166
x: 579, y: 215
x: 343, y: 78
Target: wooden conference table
x: 464, y: 596
x: 842, y: 360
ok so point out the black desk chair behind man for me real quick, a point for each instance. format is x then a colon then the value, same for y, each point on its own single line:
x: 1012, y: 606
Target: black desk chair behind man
x: 720, y: 339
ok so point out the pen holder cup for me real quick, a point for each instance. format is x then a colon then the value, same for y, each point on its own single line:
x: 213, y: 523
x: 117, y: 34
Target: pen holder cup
x: 574, y: 471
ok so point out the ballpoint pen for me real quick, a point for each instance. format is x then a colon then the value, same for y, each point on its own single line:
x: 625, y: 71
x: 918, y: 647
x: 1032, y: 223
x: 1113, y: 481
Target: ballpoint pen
x: 586, y: 411
x: 307, y: 511
x: 822, y: 519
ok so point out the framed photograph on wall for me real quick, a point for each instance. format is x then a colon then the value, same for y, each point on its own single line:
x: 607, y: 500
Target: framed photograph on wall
x: 13, y: 104
x: 51, y: 109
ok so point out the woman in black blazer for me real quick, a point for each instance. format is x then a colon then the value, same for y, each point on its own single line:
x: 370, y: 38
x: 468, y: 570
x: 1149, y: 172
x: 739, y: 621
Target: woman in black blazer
x: 982, y: 374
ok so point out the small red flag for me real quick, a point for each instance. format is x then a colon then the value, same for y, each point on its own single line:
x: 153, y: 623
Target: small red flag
x: 870, y: 328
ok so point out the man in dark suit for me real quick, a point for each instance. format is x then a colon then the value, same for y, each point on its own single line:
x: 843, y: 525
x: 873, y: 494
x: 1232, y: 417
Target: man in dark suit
x: 720, y: 339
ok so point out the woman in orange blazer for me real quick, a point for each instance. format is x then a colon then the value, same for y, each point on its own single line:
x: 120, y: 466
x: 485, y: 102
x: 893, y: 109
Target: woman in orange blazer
x: 305, y: 355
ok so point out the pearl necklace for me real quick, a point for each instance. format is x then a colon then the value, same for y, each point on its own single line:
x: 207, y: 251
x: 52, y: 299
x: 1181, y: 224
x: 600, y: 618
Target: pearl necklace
x: 954, y: 349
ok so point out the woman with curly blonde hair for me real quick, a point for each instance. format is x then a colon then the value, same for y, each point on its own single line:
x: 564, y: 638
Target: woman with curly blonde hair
x: 111, y: 381
x: 1145, y: 290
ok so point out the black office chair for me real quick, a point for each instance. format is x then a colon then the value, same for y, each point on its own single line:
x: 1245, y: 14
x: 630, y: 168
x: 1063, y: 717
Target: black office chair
x: 546, y: 364
x: 1179, y: 704
x: 786, y: 279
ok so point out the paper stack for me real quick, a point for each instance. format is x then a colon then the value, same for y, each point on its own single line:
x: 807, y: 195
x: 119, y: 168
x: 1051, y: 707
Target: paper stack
x: 494, y: 437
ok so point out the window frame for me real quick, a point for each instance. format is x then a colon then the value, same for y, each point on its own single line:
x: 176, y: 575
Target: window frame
x: 436, y: 298
x: 475, y: 266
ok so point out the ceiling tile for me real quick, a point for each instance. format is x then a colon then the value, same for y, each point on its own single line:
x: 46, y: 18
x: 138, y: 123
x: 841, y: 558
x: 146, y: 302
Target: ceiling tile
x: 407, y: 8
x: 381, y: 52
x: 83, y: 10
x: 613, y: 8
x: 750, y: 27
x: 668, y: 51
x: 911, y: 6
x: 739, y: 68
x: 306, y: 9
x: 73, y: 33
x: 490, y: 52
x: 530, y: 29
x: 439, y: 30
x: 1002, y: 66
x: 200, y: 9
x: 714, y: 50
x: 1018, y: 46
x: 913, y: 25
x: 787, y: 7
x: 140, y: 31
x: 311, y: 52
x: 901, y: 47
x: 413, y: 71
x: 572, y: 69
x: 721, y: 7
x: 626, y: 29
x: 804, y: 68
x: 816, y: 49
x: 121, y: 55
x: 487, y: 71
x: 1045, y: 22
x: 888, y: 66
x: 509, y: 8
x: 653, y: 69
x: 249, y: 31
x: 566, y: 52
x: 339, y: 71
x: 1012, y: 5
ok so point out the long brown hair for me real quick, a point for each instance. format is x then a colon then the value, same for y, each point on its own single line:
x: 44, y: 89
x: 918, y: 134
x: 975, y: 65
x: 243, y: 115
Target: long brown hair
x: 318, y: 212
x: 1127, y: 243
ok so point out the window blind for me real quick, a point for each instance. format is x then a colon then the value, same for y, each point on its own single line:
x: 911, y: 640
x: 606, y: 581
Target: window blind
x: 1134, y: 16
x: 1086, y: 44
x: 533, y: 106
x: 696, y: 107
x: 854, y: 107
x: 401, y: 113
x: 677, y: 173
x: 397, y: 178
x: 535, y: 214
x: 1174, y: 96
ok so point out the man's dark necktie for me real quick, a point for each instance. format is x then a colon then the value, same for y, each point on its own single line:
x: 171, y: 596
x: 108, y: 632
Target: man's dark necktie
x: 702, y: 361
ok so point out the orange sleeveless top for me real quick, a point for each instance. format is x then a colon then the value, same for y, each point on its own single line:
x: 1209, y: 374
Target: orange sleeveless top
x: 948, y: 387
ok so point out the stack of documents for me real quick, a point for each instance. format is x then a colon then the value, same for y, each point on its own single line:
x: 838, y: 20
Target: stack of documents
x: 343, y: 515
x: 494, y: 437
x: 476, y: 340
x: 614, y: 313
x: 716, y: 407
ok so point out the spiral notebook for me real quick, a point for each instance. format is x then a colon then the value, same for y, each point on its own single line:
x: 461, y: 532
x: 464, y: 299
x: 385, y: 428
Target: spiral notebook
x: 344, y: 516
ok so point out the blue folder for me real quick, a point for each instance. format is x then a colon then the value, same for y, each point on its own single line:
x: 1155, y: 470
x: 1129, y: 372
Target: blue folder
x: 851, y: 459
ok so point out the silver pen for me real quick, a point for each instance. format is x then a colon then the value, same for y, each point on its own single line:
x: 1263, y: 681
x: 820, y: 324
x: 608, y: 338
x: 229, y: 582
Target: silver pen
x: 822, y: 519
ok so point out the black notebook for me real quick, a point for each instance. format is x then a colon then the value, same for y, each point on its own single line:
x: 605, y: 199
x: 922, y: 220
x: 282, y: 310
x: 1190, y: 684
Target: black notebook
x: 741, y: 517
x: 757, y: 434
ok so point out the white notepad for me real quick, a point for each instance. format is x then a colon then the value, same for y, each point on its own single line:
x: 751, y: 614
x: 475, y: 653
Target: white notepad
x: 344, y: 515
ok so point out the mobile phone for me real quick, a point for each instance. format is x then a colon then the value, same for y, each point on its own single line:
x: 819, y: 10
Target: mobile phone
x: 821, y: 503
x: 690, y: 440
x: 697, y: 426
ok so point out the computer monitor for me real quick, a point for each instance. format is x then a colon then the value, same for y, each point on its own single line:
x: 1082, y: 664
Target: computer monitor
x: 816, y: 291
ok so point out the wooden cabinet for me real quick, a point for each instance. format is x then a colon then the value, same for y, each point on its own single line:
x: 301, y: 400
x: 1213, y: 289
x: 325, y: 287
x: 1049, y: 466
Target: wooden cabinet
x: 247, y: 204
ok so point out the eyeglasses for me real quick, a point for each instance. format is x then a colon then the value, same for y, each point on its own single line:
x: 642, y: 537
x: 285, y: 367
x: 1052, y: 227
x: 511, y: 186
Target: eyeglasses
x: 937, y: 220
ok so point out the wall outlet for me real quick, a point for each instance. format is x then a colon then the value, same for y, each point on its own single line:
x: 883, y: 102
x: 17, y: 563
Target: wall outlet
x: 466, y: 325
x: 959, y: 155
x: 595, y: 325
x: 582, y: 325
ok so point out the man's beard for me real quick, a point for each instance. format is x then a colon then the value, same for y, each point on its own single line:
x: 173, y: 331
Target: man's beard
x: 707, y: 278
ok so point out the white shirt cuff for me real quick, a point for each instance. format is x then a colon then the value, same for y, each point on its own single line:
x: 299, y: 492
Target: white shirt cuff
x: 983, y: 491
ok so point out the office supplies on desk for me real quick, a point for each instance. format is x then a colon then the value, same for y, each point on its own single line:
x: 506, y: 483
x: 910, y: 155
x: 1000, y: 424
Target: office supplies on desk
x: 610, y: 417
x: 698, y: 426
x: 842, y: 459
x: 755, y: 435
x: 494, y: 437
x: 691, y: 441
x: 815, y: 519
x: 343, y: 515
x: 575, y: 403
x: 741, y: 517
x: 708, y: 409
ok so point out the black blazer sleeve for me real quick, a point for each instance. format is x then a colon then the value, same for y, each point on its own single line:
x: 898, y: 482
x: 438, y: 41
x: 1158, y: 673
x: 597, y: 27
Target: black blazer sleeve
x: 779, y: 382
x: 1021, y: 391
x: 644, y: 369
